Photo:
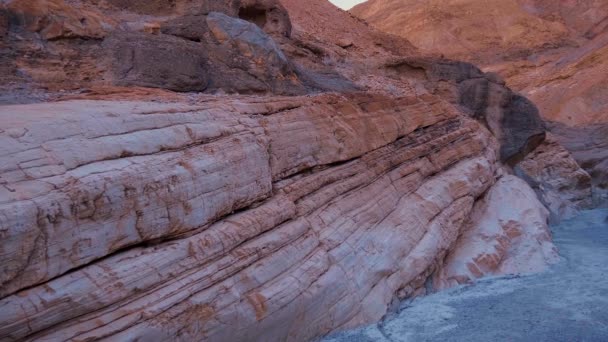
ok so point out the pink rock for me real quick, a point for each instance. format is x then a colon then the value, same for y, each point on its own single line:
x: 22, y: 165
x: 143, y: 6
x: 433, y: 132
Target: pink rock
x: 507, y: 233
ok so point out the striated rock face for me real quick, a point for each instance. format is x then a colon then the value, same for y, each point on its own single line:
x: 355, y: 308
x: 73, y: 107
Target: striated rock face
x: 507, y: 233
x: 512, y: 118
x: 561, y: 184
x: 553, y: 53
x: 146, y: 204
x: 335, y: 199
x: 589, y: 148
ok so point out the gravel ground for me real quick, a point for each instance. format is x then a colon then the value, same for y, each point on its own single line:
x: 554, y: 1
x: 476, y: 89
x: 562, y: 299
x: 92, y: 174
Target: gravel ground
x: 567, y: 303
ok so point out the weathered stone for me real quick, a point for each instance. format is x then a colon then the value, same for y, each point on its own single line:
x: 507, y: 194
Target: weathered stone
x: 54, y: 19
x: 269, y: 15
x: 512, y: 118
x: 334, y: 201
x: 499, y: 238
x: 247, y: 60
x: 157, y: 61
x: 589, y: 147
x: 561, y: 184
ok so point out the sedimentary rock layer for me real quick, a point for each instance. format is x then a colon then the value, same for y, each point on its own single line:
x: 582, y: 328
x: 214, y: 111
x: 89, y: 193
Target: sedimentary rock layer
x: 507, y: 233
x: 266, y: 219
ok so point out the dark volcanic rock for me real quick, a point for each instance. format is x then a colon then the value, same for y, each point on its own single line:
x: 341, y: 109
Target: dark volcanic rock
x: 191, y: 27
x: 217, y: 52
x: 139, y: 59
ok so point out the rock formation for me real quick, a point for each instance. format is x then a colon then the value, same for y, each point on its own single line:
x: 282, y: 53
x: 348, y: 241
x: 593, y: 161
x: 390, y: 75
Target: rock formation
x: 501, y: 238
x: 553, y: 53
x: 140, y: 201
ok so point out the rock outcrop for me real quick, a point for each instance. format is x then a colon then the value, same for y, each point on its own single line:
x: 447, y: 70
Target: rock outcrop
x: 124, y: 215
x: 553, y: 53
x: 145, y: 203
x: 513, y: 119
x: 560, y: 182
x: 589, y: 146
x: 501, y: 238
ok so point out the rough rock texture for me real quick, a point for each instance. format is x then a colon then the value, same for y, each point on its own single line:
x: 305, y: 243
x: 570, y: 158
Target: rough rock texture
x: 140, y: 59
x: 512, y: 118
x: 566, y: 303
x: 473, y: 30
x: 139, y: 208
x: 507, y: 234
x: 561, y: 184
x: 320, y: 198
x: 589, y: 146
x: 61, y: 46
x: 553, y: 53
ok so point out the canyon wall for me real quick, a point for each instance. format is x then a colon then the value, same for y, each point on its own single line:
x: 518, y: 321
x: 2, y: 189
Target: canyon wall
x: 235, y: 170
x: 553, y: 53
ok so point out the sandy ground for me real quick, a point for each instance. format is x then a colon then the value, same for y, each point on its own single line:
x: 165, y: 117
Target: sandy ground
x: 567, y: 303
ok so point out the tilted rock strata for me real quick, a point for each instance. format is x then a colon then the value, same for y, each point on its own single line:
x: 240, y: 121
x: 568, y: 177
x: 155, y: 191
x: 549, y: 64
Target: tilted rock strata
x: 561, y: 184
x: 553, y: 52
x: 158, y: 215
x: 512, y: 119
x: 589, y: 146
x: 336, y: 199
x: 507, y: 233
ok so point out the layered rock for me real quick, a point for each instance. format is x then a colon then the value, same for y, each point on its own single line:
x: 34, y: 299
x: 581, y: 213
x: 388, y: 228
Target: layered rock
x: 589, y: 148
x: 561, y: 184
x: 553, y: 53
x: 138, y: 208
x: 513, y: 119
x: 318, y: 196
x: 507, y: 233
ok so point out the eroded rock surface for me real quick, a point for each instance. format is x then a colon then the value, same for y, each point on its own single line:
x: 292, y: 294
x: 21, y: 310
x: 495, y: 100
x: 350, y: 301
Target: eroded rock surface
x: 553, y: 53
x: 560, y: 182
x: 139, y: 208
x: 507, y: 234
x: 320, y: 197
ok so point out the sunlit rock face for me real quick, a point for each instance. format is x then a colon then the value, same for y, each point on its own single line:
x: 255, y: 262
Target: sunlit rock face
x: 245, y: 170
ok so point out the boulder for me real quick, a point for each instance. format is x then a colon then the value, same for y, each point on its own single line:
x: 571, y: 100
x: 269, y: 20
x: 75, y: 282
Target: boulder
x: 247, y: 60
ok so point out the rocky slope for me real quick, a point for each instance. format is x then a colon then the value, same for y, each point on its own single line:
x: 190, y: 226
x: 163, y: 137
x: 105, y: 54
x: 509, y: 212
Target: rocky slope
x: 554, y: 53
x: 235, y: 170
x: 515, y: 308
